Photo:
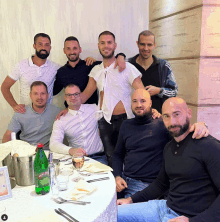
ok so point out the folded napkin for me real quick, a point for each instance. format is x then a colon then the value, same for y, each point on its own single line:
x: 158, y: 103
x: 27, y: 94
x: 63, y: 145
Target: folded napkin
x: 49, y: 216
x: 82, y: 189
x: 96, y: 167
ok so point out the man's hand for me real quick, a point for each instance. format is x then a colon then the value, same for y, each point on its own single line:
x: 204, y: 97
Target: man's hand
x: 120, y: 62
x: 124, y: 201
x: 200, y: 130
x: 153, y: 90
x: 20, y: 108
x: 89, y: 61
x: 120, y: 184
x: 179, y: 219
x: 61, y: 113
x: 73, y: 151
x: 155, y: 114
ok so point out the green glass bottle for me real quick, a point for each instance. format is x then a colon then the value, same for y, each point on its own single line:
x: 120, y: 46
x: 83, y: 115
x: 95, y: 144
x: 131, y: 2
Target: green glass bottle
x: 41, y: 171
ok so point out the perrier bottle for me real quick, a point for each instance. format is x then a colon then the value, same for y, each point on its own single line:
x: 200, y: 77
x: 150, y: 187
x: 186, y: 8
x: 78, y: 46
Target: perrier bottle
x: 41, y: 171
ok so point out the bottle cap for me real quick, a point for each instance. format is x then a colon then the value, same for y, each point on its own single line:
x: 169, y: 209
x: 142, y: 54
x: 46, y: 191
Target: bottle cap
x: 40, y: 145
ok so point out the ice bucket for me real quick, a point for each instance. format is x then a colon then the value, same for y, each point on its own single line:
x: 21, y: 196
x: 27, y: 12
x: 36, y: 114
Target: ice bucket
x: 24, y: 170
x: 9, y: 163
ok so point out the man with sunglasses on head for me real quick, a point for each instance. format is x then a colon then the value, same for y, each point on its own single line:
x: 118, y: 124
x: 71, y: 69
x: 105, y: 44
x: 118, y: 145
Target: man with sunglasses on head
x: 80, y: 127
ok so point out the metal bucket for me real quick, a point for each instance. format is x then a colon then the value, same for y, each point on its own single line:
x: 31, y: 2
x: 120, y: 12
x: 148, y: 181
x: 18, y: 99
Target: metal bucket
x: 24, y: 170
x: 9, y: 163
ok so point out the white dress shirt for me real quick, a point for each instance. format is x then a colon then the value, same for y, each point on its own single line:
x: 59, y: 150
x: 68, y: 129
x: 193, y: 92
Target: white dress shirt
x: 27, y: 72
x: 81, y: 129
x: 117, y: 86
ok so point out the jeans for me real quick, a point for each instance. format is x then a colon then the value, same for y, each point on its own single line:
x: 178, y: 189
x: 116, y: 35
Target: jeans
x: 153, y: 210
x: 133, y: 187
x: 109, y: 134
x: 101, y: 159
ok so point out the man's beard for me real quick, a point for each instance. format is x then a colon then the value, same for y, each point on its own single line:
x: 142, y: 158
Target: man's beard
x: 42, y: 56
x: 182, y: 130
x: 109, y: 56
x: 145, y: 115
x: 73, y: 60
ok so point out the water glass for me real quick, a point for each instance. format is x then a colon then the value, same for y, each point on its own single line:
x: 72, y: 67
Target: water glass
x: 63, y: 180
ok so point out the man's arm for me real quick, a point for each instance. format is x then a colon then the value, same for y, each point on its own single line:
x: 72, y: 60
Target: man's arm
x: 5, y: 88
x: 7, y: 136
x: 137, y: 83
x: 89, y: 90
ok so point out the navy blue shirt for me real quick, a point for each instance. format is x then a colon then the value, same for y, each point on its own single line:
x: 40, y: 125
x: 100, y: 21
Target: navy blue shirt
x: 140, y: 147
x: 78, y: 75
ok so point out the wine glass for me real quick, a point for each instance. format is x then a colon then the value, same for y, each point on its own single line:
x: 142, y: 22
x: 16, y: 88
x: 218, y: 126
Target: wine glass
x: 78, y: 161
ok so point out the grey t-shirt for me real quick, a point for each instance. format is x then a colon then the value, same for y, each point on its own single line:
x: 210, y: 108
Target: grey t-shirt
x: 35, y: 127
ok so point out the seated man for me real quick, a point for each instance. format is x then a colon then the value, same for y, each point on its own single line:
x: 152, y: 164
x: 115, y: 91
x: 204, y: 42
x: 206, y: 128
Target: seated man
x: 80, y: 127
x: 140, y: 146
x: 36, y: 123
x: 190, y: 170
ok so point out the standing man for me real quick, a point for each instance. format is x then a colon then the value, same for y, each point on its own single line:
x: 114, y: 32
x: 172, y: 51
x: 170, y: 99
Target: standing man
x: 37, y: 122
x: 36, y: 68
x: 115, y: 91
x: 80, y: 126
x: 76, y: 71
x: 190, y: 170
x: 157, y: 75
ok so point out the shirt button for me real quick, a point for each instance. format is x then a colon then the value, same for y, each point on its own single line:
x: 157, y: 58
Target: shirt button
x: 177, y: 145
x: 175, y: 152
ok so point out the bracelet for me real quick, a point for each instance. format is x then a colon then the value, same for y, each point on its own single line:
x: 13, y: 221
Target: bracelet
x: 122, y: 54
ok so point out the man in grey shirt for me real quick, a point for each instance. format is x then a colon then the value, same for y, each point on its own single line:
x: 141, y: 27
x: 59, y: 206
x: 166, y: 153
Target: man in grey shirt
x: 37, y: 122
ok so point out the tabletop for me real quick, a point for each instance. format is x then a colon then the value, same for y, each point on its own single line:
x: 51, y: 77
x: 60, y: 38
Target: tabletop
x: 26, y: 203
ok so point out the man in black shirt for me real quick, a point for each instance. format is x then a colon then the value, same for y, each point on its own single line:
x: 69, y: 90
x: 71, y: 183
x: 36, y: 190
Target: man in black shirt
x: 190, y: 170
x: 76, y: 71
x: 157, y: 75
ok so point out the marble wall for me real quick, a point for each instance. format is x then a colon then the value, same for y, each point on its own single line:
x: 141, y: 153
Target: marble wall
x: 20, y: 20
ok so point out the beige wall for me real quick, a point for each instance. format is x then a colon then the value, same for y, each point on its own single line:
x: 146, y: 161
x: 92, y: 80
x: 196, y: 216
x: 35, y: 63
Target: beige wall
x: 20, y: 20
x: 188, y: 36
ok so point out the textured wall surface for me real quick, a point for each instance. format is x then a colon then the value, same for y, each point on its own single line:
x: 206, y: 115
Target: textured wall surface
x: 188, y: 36
x: 21, y: 19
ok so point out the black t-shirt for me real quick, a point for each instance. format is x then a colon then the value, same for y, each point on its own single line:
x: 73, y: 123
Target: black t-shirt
x: 78, y: 75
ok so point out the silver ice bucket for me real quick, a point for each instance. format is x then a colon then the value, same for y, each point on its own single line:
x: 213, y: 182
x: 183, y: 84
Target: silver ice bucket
x: 9, y: 163
x: 24, y: 170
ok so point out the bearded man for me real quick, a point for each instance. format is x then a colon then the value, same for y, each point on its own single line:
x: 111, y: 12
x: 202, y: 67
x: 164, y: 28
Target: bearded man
x: 138, y: 155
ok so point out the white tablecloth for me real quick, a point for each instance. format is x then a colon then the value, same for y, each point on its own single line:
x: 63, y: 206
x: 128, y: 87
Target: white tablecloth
x: 26, y: 203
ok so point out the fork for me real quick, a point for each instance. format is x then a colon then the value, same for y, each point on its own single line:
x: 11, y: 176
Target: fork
x: 91, y: 174
x: 61, y: 199
x: 61, y: 202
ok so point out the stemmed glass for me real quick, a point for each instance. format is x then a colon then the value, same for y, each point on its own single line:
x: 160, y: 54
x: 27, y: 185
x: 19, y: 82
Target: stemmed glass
x: 78, y: 161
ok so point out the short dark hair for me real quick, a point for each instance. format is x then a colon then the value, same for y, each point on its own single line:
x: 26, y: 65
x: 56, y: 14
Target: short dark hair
x: 71, y: 38
x: 41, y: 35
x: 146, y: 33
x: 72, y: 85
x: 107, y: 33
x: 38, y: 83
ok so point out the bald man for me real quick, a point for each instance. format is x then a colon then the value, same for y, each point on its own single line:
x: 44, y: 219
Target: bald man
x: 190, y: 170
x: 138, y: 155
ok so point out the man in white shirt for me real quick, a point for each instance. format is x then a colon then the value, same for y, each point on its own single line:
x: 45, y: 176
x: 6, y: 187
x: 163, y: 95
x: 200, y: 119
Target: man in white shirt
x: 79, y: 126
x: 115, y: 92
x: 35, y: 68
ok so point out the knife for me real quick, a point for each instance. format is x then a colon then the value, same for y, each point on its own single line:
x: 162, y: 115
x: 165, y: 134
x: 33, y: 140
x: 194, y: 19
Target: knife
x: 58, y: 212
x: 99, y: 179
x: 64, y: 212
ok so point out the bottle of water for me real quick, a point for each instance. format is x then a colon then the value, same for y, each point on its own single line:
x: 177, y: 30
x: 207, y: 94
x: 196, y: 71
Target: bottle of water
x: 52, y: 171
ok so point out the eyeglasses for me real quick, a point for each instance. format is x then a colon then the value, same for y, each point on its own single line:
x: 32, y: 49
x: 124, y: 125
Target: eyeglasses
x: 75, y: 95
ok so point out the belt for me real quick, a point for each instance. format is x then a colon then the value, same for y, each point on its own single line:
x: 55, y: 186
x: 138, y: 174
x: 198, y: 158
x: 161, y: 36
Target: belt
x: 96, y: 154
x: 114, y: 117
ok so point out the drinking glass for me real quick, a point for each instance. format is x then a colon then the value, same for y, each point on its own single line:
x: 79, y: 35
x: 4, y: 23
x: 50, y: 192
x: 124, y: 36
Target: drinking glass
x: 62, y: 180
x: 78, y: 161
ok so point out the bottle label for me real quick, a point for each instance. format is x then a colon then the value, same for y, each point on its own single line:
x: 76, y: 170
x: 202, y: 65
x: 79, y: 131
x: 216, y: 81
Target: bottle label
x: 43, y: 179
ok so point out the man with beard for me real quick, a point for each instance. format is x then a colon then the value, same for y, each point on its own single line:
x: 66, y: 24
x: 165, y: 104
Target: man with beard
x: 37, y: 122
x: 115, y: 90
x: 157, y: 74
x: 138, y: 154
x: 36, y: 68
x: 76, y: 71
x: 190, y: 170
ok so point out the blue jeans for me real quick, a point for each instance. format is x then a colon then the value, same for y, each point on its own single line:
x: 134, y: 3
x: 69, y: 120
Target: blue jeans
x: 101, y: 159
x: 153, y: 210
x: 133, y: 187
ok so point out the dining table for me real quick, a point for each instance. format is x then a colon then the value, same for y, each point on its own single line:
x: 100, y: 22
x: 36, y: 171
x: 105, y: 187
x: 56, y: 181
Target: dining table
x: 25, y: 205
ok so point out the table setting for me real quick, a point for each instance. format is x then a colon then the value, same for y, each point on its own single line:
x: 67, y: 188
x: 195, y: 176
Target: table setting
x: 82, y: 191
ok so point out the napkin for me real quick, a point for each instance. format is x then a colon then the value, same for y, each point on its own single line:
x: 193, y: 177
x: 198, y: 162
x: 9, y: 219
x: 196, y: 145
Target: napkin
x: 96, y: 167
x: 82, y: 189
x: 49, y: 216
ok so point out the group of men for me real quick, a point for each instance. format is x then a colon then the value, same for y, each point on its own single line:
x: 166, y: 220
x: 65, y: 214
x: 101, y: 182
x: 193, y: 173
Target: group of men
x: 131, y: 140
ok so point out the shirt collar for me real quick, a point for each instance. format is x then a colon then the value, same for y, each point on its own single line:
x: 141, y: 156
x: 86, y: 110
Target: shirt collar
x: 74, y: 112
x: 32, y: 64
x: 79, y: 63
x: 31, y: 106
